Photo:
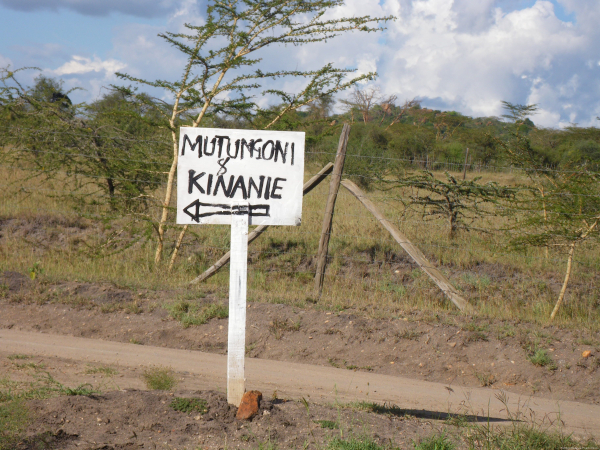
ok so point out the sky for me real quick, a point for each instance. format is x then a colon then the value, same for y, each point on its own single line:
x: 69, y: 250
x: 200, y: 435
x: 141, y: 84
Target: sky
x: 461, y: 55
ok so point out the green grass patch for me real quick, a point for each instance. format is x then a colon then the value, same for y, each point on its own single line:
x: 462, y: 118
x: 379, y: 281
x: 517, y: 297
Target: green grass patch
x: 19, y: 356
x: 540, y: 357
x: 375, y: 408
x: 438, y: 441
x: 159, y: 378
x: 14, y: 417
x: 188, y: 405
x: 327, y: 424
x: 190, y: 314
x: 522, y: 437
x: 102, y: 370
x: 361, y: 443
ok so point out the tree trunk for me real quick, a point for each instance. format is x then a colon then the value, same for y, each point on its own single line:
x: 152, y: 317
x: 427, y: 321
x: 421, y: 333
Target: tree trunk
x: 176, y: 249
x: 165, y: 206
x: 561, y: 296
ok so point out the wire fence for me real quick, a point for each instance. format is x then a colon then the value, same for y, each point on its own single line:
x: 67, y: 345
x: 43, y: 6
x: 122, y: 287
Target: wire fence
x: 361, y: 252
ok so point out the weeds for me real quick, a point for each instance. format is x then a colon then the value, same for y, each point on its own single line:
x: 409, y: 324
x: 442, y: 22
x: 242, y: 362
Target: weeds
x: 188, y: 405
x: 521, y: 437
x: 103, y: 370
x: 159, y: 378
x: 485, y: 379
x: 328, y: 424
x: 362, y: 443
x: 277, y: 327
x: 435, y: 442
x: 14, y: 417
x: 409, y: 335
x: 191, y: 314
x: 19, y: 356
x: 541, y: 358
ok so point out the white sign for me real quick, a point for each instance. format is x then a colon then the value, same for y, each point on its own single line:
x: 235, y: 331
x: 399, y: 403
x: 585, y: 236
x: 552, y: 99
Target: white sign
x: 219, y: 168
x: 239, y: 178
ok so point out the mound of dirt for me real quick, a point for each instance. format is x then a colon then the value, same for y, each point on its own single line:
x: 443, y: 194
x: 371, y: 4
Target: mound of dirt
x: 145, y: 419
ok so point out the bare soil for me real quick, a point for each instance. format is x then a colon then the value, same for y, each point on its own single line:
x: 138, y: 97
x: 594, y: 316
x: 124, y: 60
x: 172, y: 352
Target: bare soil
x: 447, y: 348
x: 136, y: 419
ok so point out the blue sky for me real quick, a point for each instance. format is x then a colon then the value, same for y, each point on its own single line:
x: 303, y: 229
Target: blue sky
x: 466, y: 55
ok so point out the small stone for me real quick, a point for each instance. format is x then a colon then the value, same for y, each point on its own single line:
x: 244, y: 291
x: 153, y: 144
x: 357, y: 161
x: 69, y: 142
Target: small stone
x: 249, y: 405
x: 266, y: 413
x: 452, y: 344
x: 587, y: 354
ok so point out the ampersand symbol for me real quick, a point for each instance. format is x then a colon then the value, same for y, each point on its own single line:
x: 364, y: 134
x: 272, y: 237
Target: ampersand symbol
x: 222, y: 163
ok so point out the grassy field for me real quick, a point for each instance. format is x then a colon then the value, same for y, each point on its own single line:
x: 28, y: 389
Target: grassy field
x: 368, y: 271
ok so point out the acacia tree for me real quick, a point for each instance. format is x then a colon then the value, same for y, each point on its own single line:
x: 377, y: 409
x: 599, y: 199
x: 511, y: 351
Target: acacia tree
x: 222, y: 67
x: 460, y: 202
x: 362, y: 100
x: 560, y: 207
x: 97, y: 146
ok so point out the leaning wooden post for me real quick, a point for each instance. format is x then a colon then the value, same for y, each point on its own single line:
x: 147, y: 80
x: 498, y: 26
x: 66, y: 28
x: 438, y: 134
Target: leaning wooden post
x: 416, y: 254
x: 465, y: 166
x: 308, y: 186
x: 334, y: 187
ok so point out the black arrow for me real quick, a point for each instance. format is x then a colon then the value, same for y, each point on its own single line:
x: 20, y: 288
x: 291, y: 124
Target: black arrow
x: 225, y: 210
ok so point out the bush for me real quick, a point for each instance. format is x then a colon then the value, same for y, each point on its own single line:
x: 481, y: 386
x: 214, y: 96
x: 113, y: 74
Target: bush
x: 159, y: 378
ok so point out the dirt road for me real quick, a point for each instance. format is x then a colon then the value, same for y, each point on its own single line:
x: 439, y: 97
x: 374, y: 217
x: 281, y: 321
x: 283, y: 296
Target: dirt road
x: 317, y: 383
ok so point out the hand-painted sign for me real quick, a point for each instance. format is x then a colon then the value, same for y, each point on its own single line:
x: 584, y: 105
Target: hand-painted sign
x: 219, y: 168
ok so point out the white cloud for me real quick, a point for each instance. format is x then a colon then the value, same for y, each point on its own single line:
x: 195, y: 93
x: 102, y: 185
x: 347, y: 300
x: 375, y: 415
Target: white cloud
x: 5, y: 62
x: 454, y: 54
x: 82, y: 65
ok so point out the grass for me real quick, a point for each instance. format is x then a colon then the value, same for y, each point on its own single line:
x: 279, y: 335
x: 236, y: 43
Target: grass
x: 19, y: 356
x: 508, y: 285
x: 159, y: 378
x: 101, y: 370
x: 541, y: 358
x: 361, y: 443
x: 485, y: 379
x: 435, y: 442
x: 522, y: 437
x: 193, y: 314
x: 278, y: 326
x: 328, y: 424
x: 188, y: 405
x: 14, y: 418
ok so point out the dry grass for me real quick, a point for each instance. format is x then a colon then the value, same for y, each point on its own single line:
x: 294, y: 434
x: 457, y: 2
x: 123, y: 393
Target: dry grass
x: 368, y: 271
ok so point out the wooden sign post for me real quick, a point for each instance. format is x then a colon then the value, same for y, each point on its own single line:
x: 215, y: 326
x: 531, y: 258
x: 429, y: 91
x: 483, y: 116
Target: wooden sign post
x: 239, y: 178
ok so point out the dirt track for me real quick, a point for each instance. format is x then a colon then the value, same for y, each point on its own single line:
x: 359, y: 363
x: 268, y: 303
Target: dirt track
x: 204, y: 371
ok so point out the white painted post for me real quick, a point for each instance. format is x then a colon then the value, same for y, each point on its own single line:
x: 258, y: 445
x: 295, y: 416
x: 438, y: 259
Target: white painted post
x: 236, y: 346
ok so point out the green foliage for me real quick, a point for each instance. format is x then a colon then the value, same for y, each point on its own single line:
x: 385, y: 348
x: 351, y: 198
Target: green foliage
x: 14, y: 418
x: 540, y: 357
x: 190, y: 314
x: 521, y: 437
x: 35, y: 270
x: 460, y: 202
x: 362, y: 443
x: 159, y: 378
x: 188, y: 405
x: 328, y: 424
x: 435, y: 442
x: 103, y: 370
x: 97, y: 148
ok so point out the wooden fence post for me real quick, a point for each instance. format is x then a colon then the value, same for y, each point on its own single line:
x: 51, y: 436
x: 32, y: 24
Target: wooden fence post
x: 465, y: 168
x: 334, y: 187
